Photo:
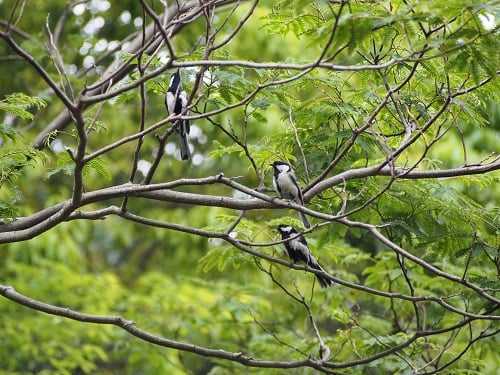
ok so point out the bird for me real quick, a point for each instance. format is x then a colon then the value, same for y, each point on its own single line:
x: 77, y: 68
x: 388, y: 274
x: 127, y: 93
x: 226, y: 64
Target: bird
x: 298, y: 251
x: 286, y: 185
x: 176, y: 102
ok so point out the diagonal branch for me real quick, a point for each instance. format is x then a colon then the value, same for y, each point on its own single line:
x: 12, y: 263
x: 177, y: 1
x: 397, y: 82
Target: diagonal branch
x: 39, y: 69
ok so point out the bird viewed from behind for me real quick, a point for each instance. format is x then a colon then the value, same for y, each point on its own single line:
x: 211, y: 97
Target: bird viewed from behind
x: 176, y: 102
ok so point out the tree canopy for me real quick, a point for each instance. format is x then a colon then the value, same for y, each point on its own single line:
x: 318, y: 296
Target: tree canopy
x: 118, y: 256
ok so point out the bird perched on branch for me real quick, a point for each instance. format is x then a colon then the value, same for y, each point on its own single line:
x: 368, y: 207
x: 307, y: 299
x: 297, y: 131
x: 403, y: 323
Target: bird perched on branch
x: 298, y: 251
x: 176, y: 102
x: 286, y: 185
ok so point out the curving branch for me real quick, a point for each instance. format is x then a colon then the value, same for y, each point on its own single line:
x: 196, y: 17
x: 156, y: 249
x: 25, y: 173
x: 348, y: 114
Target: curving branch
x: 31, y: 226
x: 119, y: 69
x: 399, y: 172
x: 40, y: 70
x: 130, y: 326
x: 468, y: 304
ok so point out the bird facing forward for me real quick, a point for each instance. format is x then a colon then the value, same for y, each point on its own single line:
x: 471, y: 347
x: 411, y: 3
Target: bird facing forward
x: 286, y: 185
x: 176, y: 102
x: 298, y: 251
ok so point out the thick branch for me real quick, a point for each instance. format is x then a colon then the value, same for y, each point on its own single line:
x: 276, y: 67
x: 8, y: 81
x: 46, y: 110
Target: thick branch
x: 31, y: 226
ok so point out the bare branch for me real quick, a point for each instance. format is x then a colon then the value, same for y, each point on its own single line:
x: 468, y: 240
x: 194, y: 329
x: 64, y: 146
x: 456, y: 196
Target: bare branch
x: 29, y: 227
x: 39, y: 69
x: 130, y: 327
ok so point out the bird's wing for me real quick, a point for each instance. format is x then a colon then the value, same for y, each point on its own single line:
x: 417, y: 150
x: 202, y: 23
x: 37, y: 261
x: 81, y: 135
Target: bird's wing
x: 170, y: 102
x: 300, y: 247
x: 299, y: 190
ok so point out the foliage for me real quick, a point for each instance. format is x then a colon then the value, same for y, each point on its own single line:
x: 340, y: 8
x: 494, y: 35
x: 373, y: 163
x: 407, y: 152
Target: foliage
x: 388, y: 112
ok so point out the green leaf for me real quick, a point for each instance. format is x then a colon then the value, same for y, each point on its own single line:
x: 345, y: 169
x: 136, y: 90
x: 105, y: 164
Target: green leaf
x: 95, y: 125
x: 125, y: 97
x: 8, y: 211
x: 218, y: 257
x: 261, y: 103
x: 9, y: 133
x: 50, y: 137
x: 100, y: 165
x: 18, y: 105
x: 260, y: 117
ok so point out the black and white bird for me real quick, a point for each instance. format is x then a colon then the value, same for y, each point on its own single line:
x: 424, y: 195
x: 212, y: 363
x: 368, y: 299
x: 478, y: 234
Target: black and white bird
x: 286, y: 185
x: 176, y: 102
x: 298, y: 251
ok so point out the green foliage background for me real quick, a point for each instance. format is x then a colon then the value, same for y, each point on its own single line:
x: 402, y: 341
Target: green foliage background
x: 208, y: 293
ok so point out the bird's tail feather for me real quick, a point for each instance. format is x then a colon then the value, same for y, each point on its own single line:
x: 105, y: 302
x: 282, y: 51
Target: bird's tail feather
x: 184, y: 146
x: 305, y: 220
x: 323, y: 281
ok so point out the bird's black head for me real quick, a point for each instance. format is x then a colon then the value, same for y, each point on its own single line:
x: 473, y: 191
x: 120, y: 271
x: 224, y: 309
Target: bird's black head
x: 286, y: 230
x: 175, y: 82
x: 281, y: 166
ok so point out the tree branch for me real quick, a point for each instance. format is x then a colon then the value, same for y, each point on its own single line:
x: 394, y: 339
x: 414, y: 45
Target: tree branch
x: 31, y: 226
x: 129, y: 326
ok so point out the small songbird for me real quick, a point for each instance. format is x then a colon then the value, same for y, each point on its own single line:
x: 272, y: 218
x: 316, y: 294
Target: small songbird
x: 298, y: 251
x: 176, y: 102
x: 286, y: 185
